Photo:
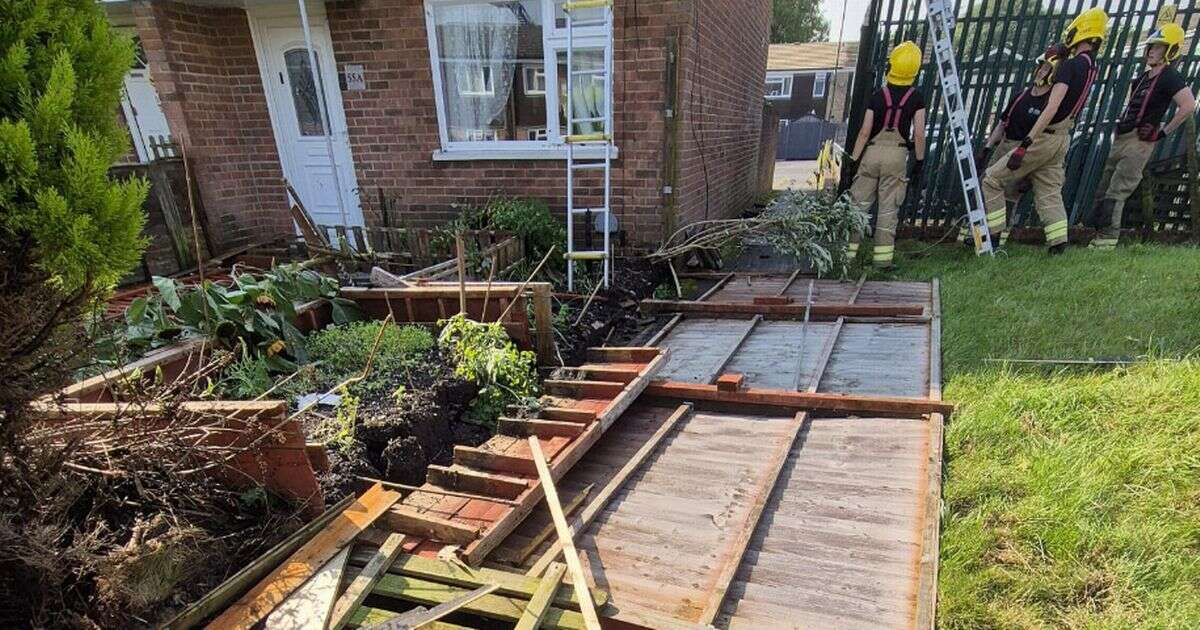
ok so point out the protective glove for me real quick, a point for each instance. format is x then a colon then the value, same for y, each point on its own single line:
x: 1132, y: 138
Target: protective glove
x: 916, y: 173
x: 1018, y: 154
x: 1150, y: 133
x: 849, y: 172
x: 982, y: 155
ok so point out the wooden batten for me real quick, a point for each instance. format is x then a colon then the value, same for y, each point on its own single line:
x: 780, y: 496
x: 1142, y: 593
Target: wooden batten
x: 891, y: 406
x: 816, y: 312
x: 407, y: 520
x: 565, y: 414
x: 623, y: 375
x: 541, y: 428
x: 583, y: 389
x: 468, y: 480
x: 622, y: 355
x: 496, y: 462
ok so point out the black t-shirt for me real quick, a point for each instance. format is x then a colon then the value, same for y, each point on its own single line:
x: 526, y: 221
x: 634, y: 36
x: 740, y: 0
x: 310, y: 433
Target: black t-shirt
x: 1077, y: 74
x: 1021, y: 113
x: 1160, y: 91
x: 914, y: 104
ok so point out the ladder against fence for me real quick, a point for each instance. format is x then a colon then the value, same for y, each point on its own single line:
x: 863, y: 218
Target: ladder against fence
x: 993, y: 53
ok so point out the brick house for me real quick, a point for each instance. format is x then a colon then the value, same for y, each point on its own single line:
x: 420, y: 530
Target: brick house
x: 439, y: 103
x: 811, y: 78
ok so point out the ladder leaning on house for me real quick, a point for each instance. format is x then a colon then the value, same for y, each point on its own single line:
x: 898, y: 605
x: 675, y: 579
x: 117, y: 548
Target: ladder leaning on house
x: 589, y: 138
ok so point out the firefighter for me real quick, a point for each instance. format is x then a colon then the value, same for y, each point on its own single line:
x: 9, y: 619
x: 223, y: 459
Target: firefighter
x: 1139, y: 129
x: 1014, y: 123
x: 1041, y: 152
x: 893, y: 125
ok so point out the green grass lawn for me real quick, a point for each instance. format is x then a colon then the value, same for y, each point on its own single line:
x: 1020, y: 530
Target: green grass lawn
x: 1072, y: 496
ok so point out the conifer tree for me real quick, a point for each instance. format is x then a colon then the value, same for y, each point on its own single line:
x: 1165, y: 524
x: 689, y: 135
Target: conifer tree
x: 68, y: 232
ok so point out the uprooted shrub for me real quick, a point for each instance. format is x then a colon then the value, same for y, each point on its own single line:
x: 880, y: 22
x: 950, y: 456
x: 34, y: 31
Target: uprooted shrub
x: 68, y: 233
x: 485, y: 355
x: 815, y: 227
x: 119, y: 521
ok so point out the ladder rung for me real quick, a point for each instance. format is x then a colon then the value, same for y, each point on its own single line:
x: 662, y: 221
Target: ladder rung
x: 588, y: 23
x: 586, y: 137
x: 587, y: 210
x: 586, y: 255
x: 586, y: 4
x: 592, y: 72
x: 593, y: 119
x: 589, y: 166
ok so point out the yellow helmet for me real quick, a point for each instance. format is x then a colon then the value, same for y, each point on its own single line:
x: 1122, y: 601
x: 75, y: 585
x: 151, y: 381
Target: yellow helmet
x: 1091, y: 24
x: 903, y: 64
x: 1169, y: 35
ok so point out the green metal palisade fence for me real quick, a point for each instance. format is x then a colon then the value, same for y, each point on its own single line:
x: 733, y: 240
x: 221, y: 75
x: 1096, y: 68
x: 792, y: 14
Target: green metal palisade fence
x: 995, y: 47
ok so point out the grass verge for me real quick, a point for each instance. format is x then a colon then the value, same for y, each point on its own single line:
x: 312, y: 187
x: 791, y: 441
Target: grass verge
x: 1072, y: 496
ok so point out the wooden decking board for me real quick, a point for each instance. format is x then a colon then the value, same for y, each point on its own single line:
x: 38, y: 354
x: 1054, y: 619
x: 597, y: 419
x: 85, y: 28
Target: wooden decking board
x: 879, y: 359
x: 698, y: 348
x: 771, y: 356
x: 839, y: 547
x: 688, y: 526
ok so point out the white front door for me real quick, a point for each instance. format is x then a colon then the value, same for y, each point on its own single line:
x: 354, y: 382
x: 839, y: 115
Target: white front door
x: 143, y: 113
x: 304, y: 149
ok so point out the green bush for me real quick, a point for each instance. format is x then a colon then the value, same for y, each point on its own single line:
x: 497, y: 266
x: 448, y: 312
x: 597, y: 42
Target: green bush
x: 528, y: 219
x: 61, y: 72
x: 342, y: 351
x: 484, y: 355
x: 68, y: 233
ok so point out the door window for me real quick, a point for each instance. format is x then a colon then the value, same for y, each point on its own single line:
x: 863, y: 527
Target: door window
x: 304, y: 92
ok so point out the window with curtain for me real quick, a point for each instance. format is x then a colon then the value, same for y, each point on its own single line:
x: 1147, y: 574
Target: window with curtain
x: 500, y: 73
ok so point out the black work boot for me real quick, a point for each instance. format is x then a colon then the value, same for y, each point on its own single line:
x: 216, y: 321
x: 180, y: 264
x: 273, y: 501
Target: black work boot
x: 1055, y: 250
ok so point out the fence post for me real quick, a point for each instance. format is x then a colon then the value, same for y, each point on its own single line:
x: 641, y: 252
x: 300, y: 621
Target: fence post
x: 1193, y: 168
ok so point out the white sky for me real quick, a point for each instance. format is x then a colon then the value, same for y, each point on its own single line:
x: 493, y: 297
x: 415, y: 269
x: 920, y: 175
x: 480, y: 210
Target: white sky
x: 854, y: 9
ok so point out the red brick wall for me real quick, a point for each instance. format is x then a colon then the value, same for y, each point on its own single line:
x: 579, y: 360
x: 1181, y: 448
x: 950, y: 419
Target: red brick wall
x: 724, y: 62
x: 393, y: 124
x: 203, y: 65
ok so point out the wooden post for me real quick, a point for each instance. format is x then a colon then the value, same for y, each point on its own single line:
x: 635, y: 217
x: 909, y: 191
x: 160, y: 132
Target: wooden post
x: 578, y: 578
x: 543, y: 322
x: 462, y: 274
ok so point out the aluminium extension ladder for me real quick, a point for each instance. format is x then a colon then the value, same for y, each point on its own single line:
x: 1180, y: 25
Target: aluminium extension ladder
x: 941, y: 25
x: 602, y: 139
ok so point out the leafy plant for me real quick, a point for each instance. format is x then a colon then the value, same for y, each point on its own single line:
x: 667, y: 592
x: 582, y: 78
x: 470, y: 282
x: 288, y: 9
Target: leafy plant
x: 342, y: 351
x: 346, y: 421
x: 528, y: 219
x: 247, y: 378
x: 814, y: 227
x: 257, y: 312
x: 485, y: 355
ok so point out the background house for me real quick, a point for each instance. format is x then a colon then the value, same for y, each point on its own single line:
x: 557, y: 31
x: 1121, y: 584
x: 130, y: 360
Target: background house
x: 811, y: 78
x: 438, y: 103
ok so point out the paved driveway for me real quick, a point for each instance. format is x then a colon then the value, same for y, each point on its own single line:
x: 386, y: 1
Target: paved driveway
x: 797, y: 174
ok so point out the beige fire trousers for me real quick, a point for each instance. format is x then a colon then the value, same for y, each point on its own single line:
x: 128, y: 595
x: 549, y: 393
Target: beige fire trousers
x: 1043, y: 165
x: 1122, y: 173
x: 882, y: 177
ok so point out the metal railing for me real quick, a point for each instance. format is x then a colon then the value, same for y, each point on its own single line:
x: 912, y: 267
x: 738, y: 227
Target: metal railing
x: 996, y: 43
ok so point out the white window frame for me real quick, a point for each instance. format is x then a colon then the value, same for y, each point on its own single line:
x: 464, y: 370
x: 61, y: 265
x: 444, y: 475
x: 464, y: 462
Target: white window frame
x: 530, y: 78
x: 554, y: 41
x: 821, y: 79
x: 488, y: 87
x: 785, y: 81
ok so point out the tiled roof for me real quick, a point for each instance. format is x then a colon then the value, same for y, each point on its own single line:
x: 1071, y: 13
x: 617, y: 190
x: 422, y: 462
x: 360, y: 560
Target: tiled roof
x: 812, y: 56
